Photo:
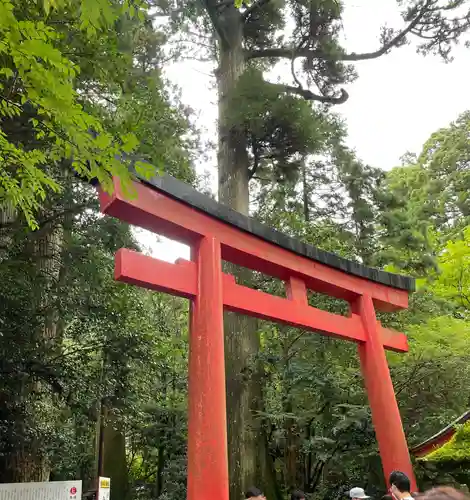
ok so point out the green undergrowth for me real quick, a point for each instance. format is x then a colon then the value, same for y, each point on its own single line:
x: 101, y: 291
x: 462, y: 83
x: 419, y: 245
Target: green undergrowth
x: 456, y: 450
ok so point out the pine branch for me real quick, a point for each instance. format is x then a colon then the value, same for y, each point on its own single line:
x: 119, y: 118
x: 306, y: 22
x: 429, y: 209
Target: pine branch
x: 294, y: 53
x: 311, y: 96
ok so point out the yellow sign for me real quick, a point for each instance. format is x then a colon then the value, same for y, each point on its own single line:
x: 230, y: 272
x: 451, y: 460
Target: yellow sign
x: 104, y: 489
x: 104, y: 483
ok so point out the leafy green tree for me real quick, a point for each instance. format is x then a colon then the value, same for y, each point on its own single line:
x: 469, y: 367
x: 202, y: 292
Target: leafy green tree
x: 61, y: 62
x: 93, y: 365
x: 427, y: 200
x: 453, y: 279
x: 408, y: 236
x: 302, y: 427
x: 444, y: 159
x: 116, y: 88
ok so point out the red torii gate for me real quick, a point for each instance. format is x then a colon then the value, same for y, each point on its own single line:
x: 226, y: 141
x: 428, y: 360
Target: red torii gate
x: 216, y: 233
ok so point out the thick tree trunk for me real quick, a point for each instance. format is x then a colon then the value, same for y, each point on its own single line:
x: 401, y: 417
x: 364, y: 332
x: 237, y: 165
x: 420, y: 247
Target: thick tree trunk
x: 111, y: 445
x: 292, y: 478
x: 114, y: 458
x: 241, y: 340
x: 305, y: 195
x: 244, y: 392
x: 27, y: 460
x: 20, y: 466
x: 232, y: 151
x: 48, y: 251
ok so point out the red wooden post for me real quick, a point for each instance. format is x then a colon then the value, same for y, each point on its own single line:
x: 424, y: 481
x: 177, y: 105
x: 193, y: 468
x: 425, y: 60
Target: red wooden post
x: 207, y: 433
x: 385, y: 413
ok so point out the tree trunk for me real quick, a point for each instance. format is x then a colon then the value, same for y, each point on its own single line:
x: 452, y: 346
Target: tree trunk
x: 305, y: 194
x: 7, y: 219
x: 23, y: 467
x: 291, y: 428
x: 244, y: 391
x: 291, y: 447
x: 102, y: 417
x: 232, y: 151
x: 27, y: 461
x: 114, y: 458
x: 48, y: 251
x: 161, y: 468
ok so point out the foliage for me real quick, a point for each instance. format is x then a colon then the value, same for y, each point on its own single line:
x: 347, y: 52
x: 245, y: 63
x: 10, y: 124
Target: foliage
x: 445, y: 159
x: 453, y: 280
x: 114, y: 345
x: 456, y: 450
x: 49, y: 86
x: 78, y: 345
x: 307, y: 35
x: 428, y: 200
x: 280, y: 129
x: 430, y: 382
x: 270, y: 135
x: 86, y: 358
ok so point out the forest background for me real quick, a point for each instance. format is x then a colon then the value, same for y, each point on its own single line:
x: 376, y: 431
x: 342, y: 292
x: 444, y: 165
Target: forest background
x: 94, y: 374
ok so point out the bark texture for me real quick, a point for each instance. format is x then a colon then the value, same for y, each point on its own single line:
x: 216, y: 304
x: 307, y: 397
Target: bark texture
x: 27, y: 460
x: 114, y: 458
x: 248, y: 454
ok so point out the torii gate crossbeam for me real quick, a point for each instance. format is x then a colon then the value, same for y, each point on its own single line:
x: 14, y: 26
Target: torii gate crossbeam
x: 215, y: 234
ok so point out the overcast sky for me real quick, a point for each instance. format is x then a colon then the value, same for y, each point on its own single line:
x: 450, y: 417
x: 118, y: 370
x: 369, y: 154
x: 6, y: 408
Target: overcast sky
x: 395, y: 104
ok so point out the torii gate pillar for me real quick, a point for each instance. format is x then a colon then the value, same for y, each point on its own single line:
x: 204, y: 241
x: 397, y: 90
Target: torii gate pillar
x: 207, y: 429
x: 216, y: 233
x: 383, y: 404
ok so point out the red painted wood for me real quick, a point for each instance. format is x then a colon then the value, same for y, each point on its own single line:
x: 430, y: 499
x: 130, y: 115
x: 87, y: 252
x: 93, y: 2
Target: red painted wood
x: 163, y: 215
x: 383, y: 404
x: 296, y: 290
x: 207, y: 426
x: 181, y: 279
x: 210, y: 290
x: 440, y: 438
x: 433, y: 445
x: 244, y: 300
x: 141, y: 270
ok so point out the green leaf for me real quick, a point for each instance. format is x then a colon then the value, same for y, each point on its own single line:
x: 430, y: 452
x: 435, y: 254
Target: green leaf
x: 145, y: 169
x: 8, y: 72
x: 129, y: 142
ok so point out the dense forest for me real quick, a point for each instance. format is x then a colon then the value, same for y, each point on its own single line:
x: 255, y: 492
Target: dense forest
x: 94, y: 373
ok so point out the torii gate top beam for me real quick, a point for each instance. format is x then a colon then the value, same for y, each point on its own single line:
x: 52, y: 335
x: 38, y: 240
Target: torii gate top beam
x: 174, y: 209
x: 261, y: 248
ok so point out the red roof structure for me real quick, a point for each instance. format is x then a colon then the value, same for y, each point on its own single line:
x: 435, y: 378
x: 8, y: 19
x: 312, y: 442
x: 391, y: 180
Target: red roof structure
x: 440, y: 438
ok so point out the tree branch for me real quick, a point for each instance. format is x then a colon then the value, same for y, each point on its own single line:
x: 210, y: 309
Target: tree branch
x: 311, y: 96
x: 256, y: 160
x: 212, y: 11
x: 294, y: 53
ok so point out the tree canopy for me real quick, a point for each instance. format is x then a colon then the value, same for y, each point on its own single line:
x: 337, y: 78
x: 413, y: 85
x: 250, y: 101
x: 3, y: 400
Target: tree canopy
x: 67, y: 66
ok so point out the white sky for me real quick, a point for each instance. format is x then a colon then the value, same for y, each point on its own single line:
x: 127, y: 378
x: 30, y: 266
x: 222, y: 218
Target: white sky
x: 393, y: 107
